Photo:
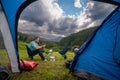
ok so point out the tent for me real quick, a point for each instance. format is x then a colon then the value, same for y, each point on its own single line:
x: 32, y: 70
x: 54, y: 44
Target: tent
x: 100, y: 54
x: 11, y: 10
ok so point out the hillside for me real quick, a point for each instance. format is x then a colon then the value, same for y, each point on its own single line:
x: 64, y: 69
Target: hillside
x: 76, y: 39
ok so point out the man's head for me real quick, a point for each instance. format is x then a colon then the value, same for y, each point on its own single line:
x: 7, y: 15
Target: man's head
x: 36, y: 39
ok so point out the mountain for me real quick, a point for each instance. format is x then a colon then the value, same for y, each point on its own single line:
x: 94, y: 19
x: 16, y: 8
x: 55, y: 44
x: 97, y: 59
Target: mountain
x: 46, y: 37
x: 76, y: 39
x: 56, y: 39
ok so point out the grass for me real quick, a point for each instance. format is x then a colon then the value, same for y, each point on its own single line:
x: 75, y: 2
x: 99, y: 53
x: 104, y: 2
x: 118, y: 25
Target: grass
x: 4, y: 57
x: 45, y: 70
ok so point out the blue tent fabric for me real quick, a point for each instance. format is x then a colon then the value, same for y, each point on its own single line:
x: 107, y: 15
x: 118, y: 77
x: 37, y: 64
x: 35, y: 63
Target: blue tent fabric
x: 117, y: 0
x: 12, y: 10
x: 116, y: 53
x: 99, y: 52
x: 114, y: 2
x: 108, y: 0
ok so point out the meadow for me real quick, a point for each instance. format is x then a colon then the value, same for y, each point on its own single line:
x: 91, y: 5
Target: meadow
x: 45, y: 70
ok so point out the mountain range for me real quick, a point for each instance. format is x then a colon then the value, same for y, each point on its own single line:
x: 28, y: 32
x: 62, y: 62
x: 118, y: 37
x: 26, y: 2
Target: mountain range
x: 76, y: 39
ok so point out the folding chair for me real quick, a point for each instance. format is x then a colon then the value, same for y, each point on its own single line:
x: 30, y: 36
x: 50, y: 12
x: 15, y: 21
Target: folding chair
x: 30, y: 53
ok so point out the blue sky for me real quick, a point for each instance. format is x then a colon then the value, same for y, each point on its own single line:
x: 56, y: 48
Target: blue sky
x: 69, y: 8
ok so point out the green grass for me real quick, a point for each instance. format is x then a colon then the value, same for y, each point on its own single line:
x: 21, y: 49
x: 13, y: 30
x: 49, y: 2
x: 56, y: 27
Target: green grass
x: 46, y: 70
x: 4, y: 57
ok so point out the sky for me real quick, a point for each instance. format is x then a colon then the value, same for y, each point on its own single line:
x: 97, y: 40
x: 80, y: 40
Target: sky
x: 51, y: 19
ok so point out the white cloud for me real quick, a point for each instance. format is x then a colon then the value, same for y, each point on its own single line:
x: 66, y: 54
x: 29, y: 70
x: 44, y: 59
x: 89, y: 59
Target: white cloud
x: 93, y: 14
x: 53, y: 8
x: 77, y: 4
x: 46, y: 18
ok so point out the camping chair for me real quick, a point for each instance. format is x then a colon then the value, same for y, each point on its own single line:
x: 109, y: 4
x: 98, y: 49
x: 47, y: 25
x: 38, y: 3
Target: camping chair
x: 30, y: 53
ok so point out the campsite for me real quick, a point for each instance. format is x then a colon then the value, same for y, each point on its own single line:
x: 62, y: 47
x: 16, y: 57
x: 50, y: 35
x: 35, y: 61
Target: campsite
x: 49, y: 70
x: 59, y: 39
x: 45, y: 70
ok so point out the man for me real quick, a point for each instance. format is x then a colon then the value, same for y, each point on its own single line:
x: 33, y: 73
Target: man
x: 36, y: 49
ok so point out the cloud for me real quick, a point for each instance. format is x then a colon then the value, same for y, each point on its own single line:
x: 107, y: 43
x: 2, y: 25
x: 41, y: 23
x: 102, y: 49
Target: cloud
x: 77, y: 4
x: 46, y: 18
x: 42, y: 11
x: 50, y: 17
x: 94, y: 14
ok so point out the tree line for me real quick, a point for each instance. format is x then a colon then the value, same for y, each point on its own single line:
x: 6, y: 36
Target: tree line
x: 49, y: 44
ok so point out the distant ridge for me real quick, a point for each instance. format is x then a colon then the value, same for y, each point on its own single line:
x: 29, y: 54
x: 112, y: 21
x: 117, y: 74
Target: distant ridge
x: 76, y: 38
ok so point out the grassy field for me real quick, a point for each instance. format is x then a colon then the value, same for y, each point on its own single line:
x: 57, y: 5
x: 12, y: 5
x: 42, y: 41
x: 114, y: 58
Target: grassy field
x: 46, y: 70
x: 4, y: 57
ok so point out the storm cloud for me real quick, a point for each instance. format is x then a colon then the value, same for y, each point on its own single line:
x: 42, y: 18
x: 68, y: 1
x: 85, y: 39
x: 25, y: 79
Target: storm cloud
x: 47, y: 19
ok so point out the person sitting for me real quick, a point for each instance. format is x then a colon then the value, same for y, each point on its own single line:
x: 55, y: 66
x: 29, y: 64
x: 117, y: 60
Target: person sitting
x: 36, y: 49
